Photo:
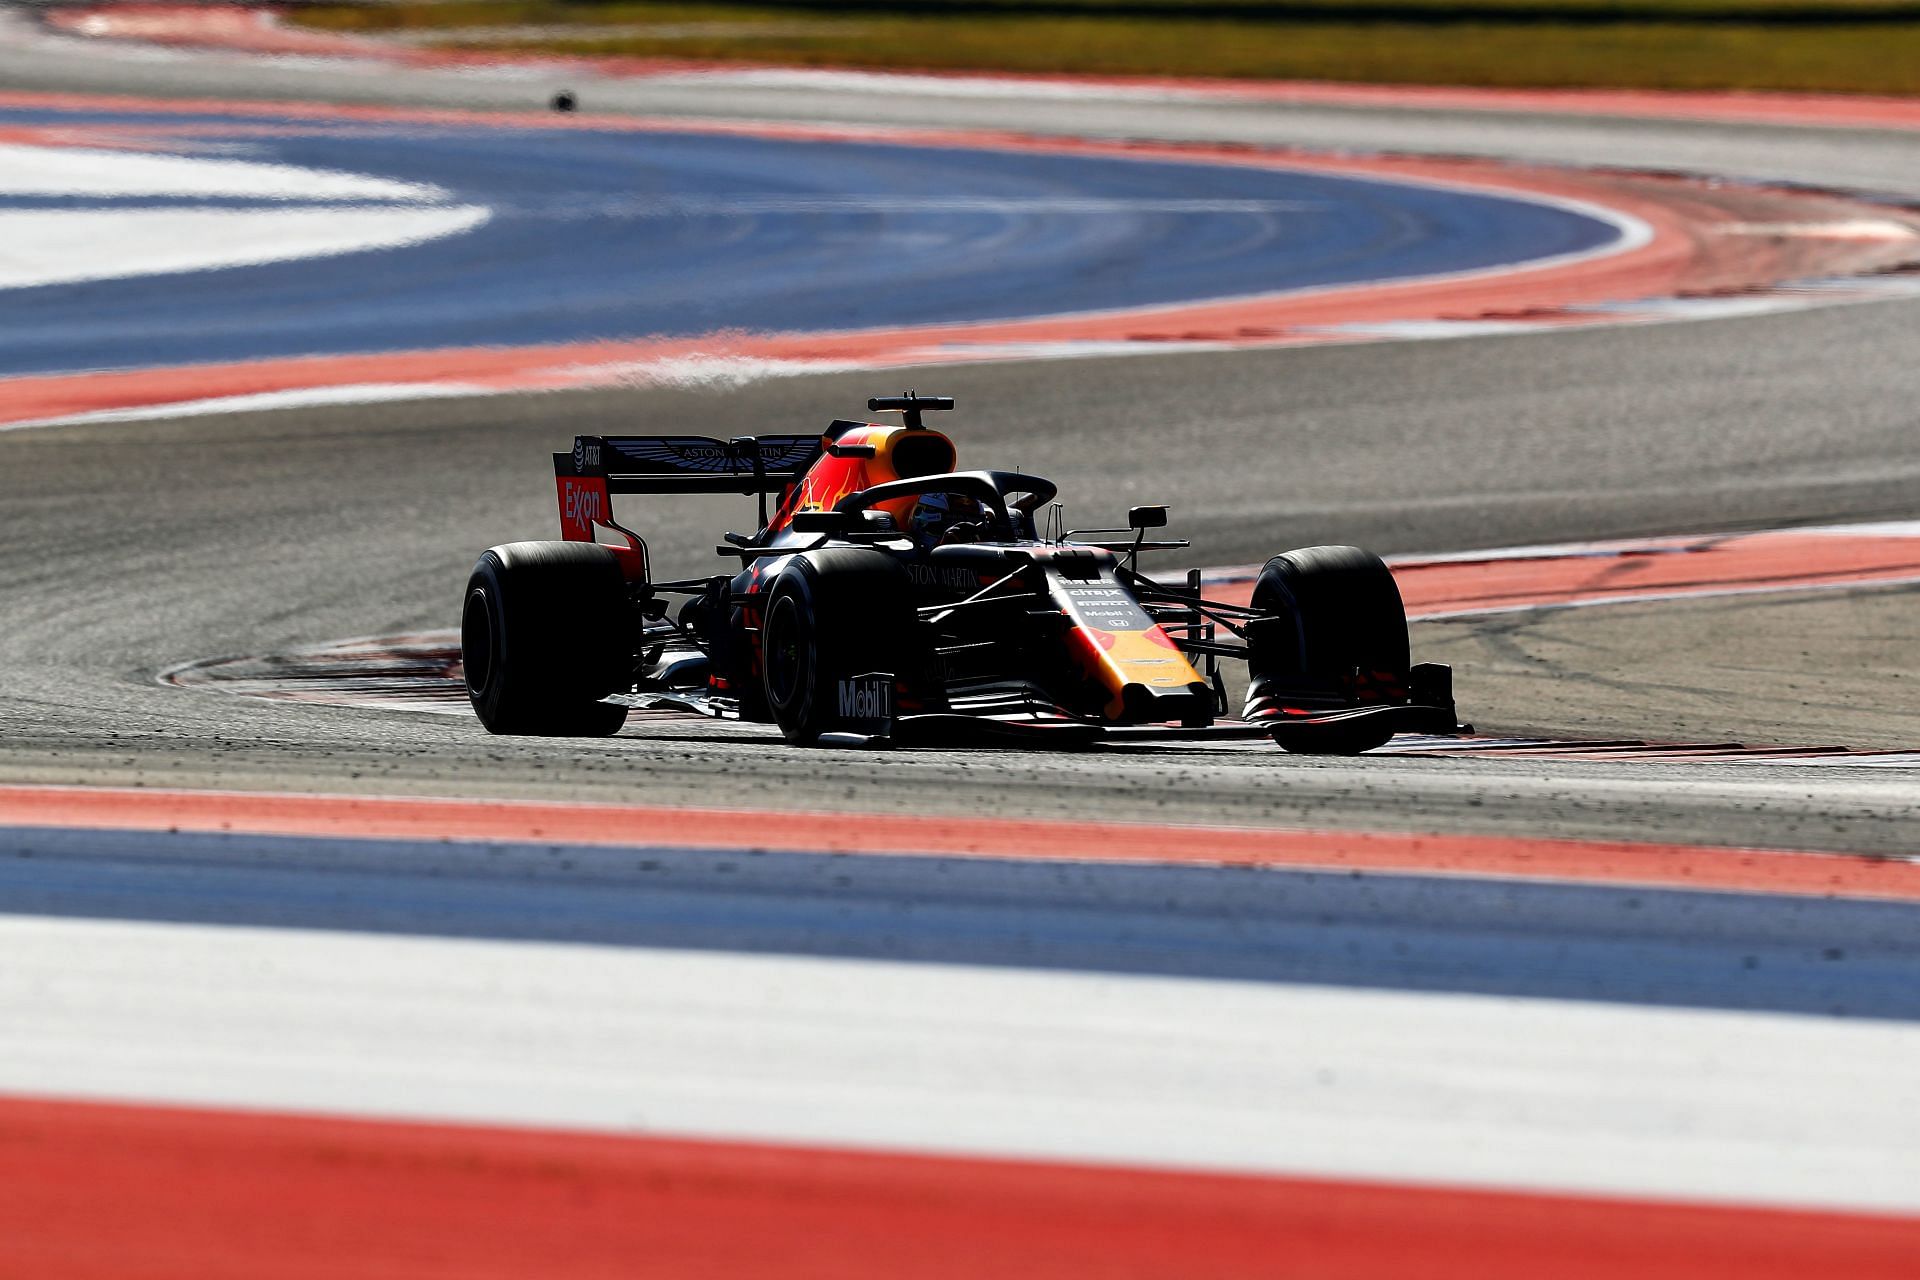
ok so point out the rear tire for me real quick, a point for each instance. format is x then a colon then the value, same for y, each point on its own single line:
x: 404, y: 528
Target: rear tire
x: 1346, y: 614
x: 829, y: 616
x: 543, y: 638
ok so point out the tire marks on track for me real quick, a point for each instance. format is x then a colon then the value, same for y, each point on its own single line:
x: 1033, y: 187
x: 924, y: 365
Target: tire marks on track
x: 421, y: 671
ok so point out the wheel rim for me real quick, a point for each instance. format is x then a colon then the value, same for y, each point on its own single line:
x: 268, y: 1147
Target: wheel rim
x: 476, y: 641
x: 783, y: 650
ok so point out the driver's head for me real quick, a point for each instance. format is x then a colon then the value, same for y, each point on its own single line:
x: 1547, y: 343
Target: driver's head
x: 936, y: 514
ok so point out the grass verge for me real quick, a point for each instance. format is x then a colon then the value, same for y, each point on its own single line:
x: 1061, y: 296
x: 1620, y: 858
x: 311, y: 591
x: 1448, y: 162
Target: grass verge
x: 1866, y: 46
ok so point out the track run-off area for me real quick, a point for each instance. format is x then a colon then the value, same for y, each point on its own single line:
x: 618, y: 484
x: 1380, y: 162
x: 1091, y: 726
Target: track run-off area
x: 277, y: 966
x: 508, y: 253
x: 508, y: 235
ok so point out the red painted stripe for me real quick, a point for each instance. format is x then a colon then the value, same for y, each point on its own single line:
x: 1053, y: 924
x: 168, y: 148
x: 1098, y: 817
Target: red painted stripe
x: 1595, y: 862
x: 98, y: 1191
x: 1664, y: 568
x: 1758, y: 561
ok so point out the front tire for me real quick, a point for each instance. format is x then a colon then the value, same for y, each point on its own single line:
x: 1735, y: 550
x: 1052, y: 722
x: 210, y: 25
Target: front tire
x: 1339, y: 613
x: 543, y: 638
x: 829, y: 616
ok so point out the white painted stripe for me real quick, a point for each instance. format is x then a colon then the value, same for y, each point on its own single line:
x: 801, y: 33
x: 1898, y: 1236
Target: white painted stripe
x: 1656, y: 309
x: 99, y: 173
x: 1892, y: 760
x: 1422, y: 330
x: 1582, y: 1097
x: 299, y: 398
x: 1860, y: 288
x: 1870, y: 529
x: 43, y: 247
x: 300, y: 214
x: 957, y: 86
x: 1848, y: 229
x: 1656, y: 597
x: 1020, y: 206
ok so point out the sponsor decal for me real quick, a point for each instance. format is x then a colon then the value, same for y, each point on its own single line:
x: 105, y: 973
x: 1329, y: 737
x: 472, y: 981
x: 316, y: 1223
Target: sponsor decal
x: 868, y: 697
x: 585, y: 456
x: 1108, y: 608
x: 581, y: 505
x: 951, y: 577
x: 702, y: 453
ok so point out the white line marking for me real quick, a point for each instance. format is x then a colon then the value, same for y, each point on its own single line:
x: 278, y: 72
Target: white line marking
x: 1852, y: 229
x: 301, y: 213
x: 83, y: 172
x: 1871, y: 529
x: 723, y: 206
x: 45, y: 247
x: 299, y: 398
x: 1657, y: 597
x: 1506, y: 1092
x: 1419, y: 330
x: 936, y: 86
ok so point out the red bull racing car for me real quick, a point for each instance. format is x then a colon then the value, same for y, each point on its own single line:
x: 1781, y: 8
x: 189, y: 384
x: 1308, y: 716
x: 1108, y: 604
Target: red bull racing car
x: 887, y: 597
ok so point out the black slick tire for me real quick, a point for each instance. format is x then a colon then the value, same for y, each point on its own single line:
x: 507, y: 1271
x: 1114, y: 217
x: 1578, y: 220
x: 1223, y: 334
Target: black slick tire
x: 543, y: 638
x: 830, y: 615
x: 1345, y: 613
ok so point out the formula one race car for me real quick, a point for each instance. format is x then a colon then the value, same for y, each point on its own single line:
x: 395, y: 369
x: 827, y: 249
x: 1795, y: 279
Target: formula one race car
x: 887, y: 597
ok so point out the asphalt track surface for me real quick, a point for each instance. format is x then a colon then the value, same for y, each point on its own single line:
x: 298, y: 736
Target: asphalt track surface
x: 137, y: 547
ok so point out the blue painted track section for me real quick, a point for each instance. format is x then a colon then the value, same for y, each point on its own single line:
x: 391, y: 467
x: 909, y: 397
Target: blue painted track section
x: 1832, y: 957
x: 622, y: 235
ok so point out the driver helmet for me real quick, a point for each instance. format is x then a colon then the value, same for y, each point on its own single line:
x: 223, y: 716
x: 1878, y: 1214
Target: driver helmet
x: 936, y: 514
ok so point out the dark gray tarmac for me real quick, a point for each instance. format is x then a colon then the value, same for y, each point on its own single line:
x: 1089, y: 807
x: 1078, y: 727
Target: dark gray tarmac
x: 132, y: 547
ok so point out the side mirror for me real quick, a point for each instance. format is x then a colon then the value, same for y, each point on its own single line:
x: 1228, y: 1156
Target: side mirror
x: 1147, y: 518
x: 827, y: 522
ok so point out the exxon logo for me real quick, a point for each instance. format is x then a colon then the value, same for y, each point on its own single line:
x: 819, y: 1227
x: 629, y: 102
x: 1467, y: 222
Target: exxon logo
x: 582, y: 505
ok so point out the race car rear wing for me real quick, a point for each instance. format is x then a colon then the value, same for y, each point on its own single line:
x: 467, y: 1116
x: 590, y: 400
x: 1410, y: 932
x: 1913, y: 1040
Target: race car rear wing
x: 601, y: 466
x: 690, y: 464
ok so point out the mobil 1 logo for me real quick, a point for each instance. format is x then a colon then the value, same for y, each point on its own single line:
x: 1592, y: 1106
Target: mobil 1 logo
x: 865, y: 702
